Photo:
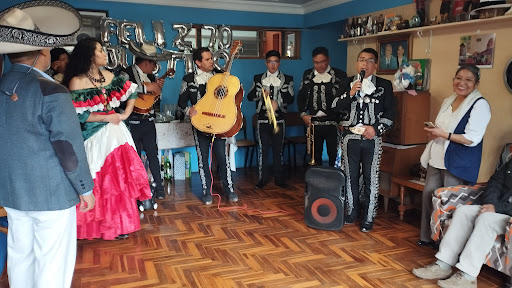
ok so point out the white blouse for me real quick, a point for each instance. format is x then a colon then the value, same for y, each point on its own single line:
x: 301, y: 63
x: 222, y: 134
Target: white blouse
x: 474, y: 131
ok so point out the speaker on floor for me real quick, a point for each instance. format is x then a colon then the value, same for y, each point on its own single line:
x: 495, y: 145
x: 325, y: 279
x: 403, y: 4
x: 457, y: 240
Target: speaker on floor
x: 324, y: 206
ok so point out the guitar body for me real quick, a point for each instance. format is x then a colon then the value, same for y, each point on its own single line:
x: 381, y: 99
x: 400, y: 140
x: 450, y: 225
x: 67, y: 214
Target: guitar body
x: 218, y: 111
x: 144, y: 103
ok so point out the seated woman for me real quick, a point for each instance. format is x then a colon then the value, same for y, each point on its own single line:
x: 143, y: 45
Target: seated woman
x: 118, y: 173
x: 453, y: 155
x: 472, y: 233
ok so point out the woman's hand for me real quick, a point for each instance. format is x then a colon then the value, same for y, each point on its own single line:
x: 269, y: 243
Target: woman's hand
x: 114, y: 118
x: 436, y: 132
x: 123, y: 116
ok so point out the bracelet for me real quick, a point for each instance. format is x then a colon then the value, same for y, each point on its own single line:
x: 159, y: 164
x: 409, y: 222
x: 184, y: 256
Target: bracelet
x: 449, y: 136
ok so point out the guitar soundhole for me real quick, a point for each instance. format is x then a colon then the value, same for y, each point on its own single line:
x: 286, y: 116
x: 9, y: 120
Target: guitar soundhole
x: 221, y: 92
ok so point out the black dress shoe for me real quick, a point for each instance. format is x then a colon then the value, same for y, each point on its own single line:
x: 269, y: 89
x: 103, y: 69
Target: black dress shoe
x: 260, y: 184
x: 283, y: 185
x: 430, y: 244
x: 349, y: 220
x: 366, y: 226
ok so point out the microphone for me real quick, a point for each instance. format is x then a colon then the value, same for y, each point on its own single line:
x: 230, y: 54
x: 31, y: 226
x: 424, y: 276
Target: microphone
x: 361, y: 77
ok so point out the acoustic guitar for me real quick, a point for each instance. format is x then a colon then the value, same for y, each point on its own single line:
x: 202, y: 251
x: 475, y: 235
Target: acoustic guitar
x: 144, y: 102
x: 219, y: 111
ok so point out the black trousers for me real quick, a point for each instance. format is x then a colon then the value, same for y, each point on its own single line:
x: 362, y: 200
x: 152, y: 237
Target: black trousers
x: 361, y: 155
x: 203, y: 142
x: 144, y: 135
x: 266, y: 140
x: 329, y: 134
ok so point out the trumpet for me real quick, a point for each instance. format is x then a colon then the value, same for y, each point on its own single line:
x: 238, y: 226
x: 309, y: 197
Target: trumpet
x: 310, y: 142
x: 270, y: 111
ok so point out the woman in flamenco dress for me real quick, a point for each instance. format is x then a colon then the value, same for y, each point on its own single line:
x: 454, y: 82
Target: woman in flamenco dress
x: 119, y: 175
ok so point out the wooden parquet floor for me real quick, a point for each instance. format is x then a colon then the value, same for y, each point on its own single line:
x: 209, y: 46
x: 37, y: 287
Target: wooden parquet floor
x: 187, y: 244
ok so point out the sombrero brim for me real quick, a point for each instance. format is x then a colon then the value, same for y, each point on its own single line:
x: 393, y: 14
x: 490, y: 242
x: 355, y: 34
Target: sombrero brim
x: 57, y: 23
x: 476, y: 11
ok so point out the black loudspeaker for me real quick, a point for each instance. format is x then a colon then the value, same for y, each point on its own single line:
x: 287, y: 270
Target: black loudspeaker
x: 324, y: 206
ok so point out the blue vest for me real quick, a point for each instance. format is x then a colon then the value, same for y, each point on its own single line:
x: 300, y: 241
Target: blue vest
x: 461, y: 160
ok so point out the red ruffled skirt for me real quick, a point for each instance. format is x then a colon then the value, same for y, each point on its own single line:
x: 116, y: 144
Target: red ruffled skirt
x: 119, y: 180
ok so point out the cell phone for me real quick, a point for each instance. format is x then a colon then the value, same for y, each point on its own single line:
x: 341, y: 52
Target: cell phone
x: 429, y: 124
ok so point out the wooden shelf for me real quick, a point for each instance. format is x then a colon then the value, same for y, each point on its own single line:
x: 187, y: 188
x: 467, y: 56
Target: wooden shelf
x: 476, y: 23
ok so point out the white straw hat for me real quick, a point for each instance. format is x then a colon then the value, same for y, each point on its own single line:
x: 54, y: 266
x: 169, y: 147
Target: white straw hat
x: 38, y: 24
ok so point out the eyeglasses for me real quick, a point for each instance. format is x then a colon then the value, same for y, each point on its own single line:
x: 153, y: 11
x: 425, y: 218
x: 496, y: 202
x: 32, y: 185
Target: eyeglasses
x: 369, y: 60
x: 319, y: 62
x: 273, y: 62
x: 465, y: 80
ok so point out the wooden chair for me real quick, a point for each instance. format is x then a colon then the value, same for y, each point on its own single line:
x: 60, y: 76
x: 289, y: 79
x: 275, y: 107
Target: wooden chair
x: 249, y: 144
x: 293, y: 119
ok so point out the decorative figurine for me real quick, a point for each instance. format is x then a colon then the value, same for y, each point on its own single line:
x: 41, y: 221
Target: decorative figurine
x: 445, y: 11
x: 420, y: 10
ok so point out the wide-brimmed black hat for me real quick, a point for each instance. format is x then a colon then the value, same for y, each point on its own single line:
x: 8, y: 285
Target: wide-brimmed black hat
x: 34, y: 25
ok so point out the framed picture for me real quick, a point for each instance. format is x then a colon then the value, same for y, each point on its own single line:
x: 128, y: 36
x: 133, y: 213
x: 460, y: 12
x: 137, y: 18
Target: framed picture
x: 477, y: 49
x: 389, y: 22
x: 90, y: 25
x: 392, y: 52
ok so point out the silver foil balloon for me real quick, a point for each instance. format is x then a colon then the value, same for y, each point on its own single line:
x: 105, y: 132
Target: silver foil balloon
x: 124, y: 31
x: 123, y: 57
x: 113, y: 57
x: 158, y: 30
x: 139, y: 34
x: 108, y: 27
x: 213, y: 35
x: 189, y: 62
x: 179, y: 40
x: 171, y: 63
x: 220, y: 54
x: 225, y: 37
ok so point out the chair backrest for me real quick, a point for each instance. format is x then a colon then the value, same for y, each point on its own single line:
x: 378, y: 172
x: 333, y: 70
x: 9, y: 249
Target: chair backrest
x: 294, y: 119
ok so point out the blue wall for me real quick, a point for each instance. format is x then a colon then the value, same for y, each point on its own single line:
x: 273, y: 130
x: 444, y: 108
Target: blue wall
x: 319, y: 28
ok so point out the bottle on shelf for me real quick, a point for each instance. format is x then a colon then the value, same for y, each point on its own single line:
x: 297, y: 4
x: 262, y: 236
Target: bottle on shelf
x: 369, y: 26
x: 381, y: 23
x: 353, y: 28
x: 359, y: 27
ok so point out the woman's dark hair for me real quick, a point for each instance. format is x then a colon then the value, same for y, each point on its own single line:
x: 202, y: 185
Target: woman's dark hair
x: 471, y: 68
x: 80, y: 60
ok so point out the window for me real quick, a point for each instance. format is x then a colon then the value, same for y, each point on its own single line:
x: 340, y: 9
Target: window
x: 256, y: 40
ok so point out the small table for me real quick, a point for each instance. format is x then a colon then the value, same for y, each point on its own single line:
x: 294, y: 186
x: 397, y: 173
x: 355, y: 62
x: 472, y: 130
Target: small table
x: 402, y: 182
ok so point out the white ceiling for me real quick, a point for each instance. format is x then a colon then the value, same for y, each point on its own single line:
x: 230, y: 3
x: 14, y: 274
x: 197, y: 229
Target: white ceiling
x: 270, y: 6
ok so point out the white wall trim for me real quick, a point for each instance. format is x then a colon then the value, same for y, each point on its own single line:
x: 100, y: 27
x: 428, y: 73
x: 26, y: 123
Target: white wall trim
x: 248, y: 6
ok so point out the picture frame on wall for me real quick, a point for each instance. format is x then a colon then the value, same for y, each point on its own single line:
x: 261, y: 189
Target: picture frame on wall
x: 477, y: 49
x: 392, y: 53
x: 90, y: 25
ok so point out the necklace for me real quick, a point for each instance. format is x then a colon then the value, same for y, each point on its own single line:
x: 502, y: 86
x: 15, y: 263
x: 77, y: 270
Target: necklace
x: 100, y: 80
x: 100, y: 88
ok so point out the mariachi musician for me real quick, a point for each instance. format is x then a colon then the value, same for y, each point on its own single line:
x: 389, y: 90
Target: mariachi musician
x: 193, y: 88
x: 142, y: 123
x: 279, y: 88
x: 370, y: 105
x: 316, y: 93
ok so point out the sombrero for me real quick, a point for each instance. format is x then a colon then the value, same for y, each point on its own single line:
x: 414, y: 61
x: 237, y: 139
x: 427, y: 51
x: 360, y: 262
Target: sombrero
x: 34, y: 25
x: 491, y: 4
